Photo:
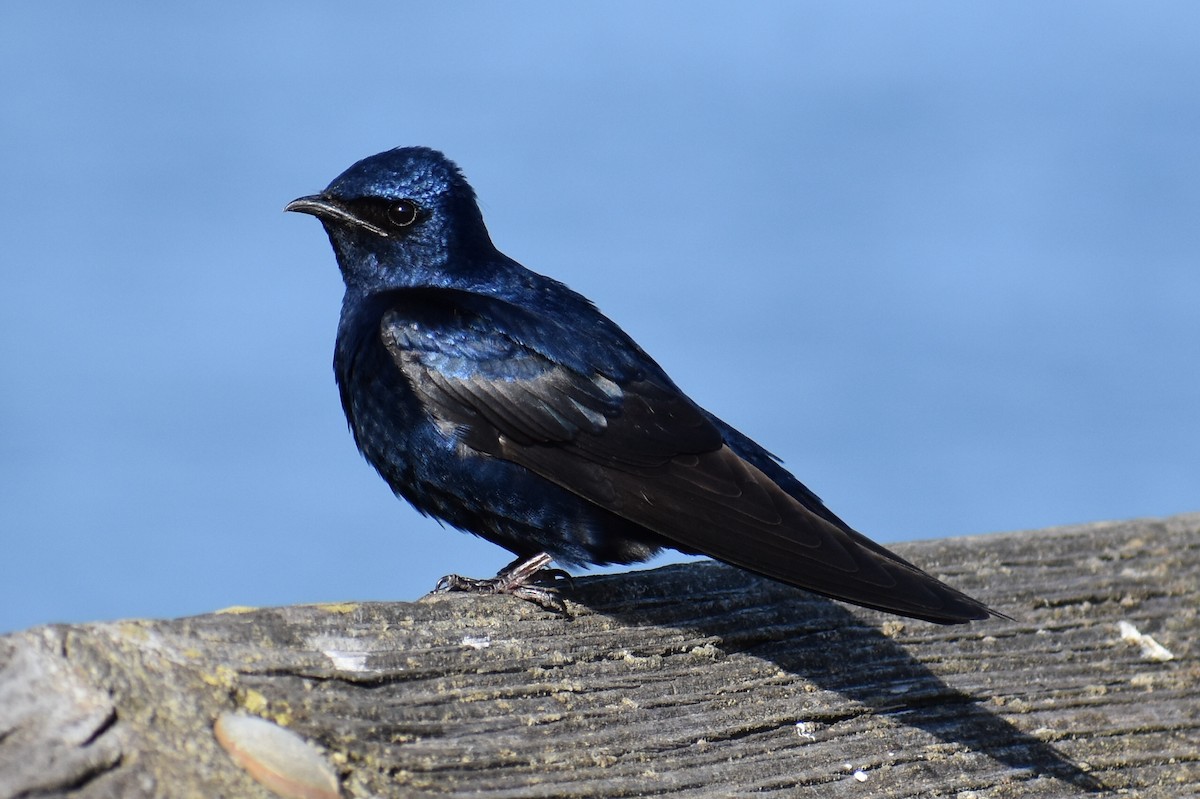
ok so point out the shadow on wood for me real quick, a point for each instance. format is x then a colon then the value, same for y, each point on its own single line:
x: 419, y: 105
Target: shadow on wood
x: 694, y: 680
x: 833, y: 650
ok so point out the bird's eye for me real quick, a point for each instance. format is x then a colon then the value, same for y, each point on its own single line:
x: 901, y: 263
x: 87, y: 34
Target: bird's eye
x: 403, y: 213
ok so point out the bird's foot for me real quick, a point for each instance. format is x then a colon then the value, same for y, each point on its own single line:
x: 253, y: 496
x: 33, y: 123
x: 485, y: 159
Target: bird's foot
x: 524, y: 579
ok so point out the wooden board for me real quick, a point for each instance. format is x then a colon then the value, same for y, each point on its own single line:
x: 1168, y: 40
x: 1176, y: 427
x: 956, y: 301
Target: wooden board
x: 686, y: 681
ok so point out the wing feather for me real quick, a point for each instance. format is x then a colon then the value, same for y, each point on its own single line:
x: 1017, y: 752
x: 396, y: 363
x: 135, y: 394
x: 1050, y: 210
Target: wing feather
x: 636, y: 445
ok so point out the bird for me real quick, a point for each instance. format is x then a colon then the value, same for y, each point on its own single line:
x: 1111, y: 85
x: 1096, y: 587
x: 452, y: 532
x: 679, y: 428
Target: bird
x: 501, y: 402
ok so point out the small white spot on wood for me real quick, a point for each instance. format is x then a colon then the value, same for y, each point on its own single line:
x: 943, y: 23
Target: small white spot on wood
x: 344, y: 653
x: 347, y: 661
x: 477, y: 641
x: 1151, y: 649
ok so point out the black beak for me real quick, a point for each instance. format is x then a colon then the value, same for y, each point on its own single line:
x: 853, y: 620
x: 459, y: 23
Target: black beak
x: 330, y: 210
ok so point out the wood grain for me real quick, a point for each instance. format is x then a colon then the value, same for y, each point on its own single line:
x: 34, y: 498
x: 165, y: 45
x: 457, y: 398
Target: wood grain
x: 686, y: 681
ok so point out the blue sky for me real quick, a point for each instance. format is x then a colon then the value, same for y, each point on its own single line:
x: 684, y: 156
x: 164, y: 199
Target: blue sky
x: 941, y: 257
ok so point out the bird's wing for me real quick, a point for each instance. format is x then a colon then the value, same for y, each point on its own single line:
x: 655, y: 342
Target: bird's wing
x: 637, y: 446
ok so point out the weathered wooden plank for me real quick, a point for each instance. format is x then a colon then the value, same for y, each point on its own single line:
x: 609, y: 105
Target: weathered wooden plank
x: 693, y: 680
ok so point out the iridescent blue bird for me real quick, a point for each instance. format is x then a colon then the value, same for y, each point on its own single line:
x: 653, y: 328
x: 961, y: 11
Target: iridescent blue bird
x: 504, y: 403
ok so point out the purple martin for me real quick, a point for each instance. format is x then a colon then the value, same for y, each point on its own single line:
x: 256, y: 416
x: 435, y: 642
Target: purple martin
x: 502, y: 402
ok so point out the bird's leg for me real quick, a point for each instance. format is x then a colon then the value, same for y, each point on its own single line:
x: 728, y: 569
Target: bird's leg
x: 516, y: 579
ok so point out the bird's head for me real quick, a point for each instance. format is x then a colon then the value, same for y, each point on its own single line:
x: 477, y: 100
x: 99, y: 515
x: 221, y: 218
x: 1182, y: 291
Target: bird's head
x: 400, y: 218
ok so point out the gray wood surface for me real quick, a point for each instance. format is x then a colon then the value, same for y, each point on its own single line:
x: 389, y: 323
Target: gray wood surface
x: 694, y: 680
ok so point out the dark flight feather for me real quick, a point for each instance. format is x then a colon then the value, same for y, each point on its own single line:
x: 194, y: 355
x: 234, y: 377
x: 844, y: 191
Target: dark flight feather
x: 642, y: 450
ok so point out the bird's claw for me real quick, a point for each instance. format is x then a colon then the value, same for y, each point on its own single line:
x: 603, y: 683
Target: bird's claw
x: 516, y: 580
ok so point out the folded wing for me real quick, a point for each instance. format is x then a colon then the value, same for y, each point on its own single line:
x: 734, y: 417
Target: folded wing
x: 629, y: 441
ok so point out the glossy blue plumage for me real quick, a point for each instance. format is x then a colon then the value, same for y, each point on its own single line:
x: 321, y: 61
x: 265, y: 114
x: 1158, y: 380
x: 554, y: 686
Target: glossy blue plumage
x: 500, y: 401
